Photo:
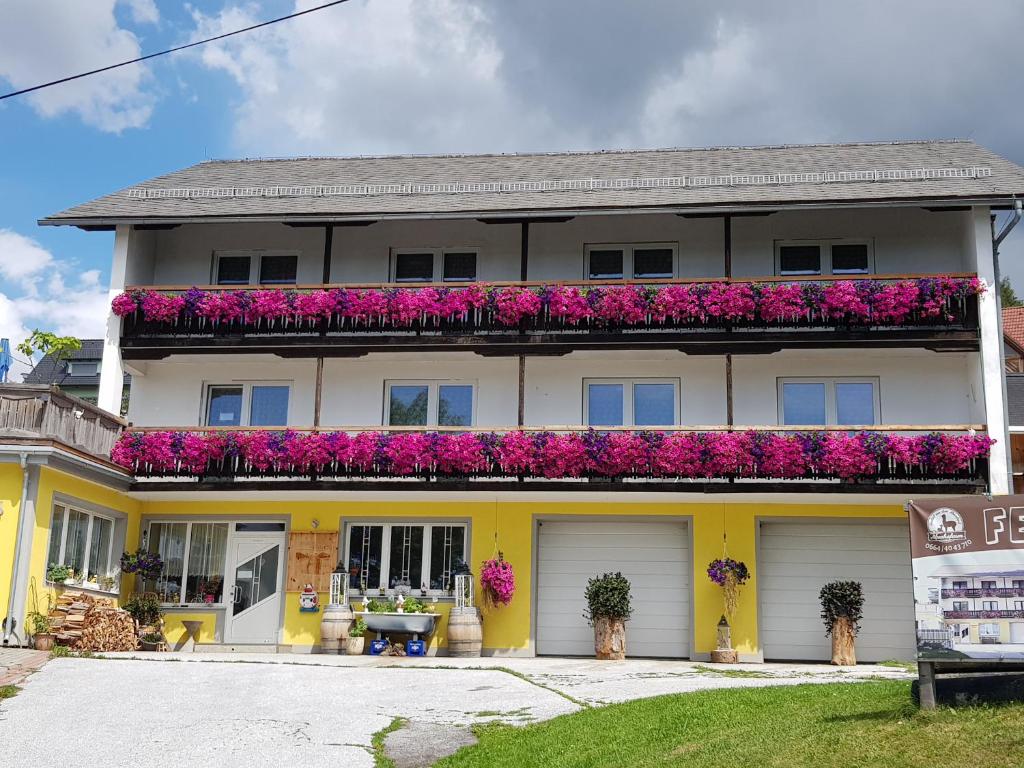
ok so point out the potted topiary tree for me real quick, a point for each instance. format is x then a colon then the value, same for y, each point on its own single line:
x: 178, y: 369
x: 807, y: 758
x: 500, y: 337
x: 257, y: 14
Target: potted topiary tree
x: 608, y: 610
x: 842, y: 607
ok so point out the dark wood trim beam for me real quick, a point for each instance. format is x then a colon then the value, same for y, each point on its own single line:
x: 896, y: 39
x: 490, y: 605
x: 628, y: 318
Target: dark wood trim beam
x: 328, y: 251
x: 524, y: 219
x: 339, y: 223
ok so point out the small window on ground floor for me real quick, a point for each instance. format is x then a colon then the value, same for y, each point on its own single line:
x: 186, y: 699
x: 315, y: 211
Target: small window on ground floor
x: 631, y: 402
x: 422, y: 557
x: 828, y: 401
x: 988, y: 629
x: 88, y: 543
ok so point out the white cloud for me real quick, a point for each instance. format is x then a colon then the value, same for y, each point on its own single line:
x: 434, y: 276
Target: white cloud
x: 52, y: 297
x: 143, y: 11
x: 43, y: 40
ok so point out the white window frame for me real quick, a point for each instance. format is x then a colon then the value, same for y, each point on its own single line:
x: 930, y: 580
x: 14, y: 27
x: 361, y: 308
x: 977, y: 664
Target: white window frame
x: 385, y: 553
x: 73, y: 363
x: 825, y: 245
x: 627, y: 257
x: 1018, y: 605
x: 433, y: 396
x: 831, y: 417
x: 255, y: 259
x: 247, y: 386
x: 988, y: 629
x: 437, y: 272
x: 114, y: 570
x: 187, y: 547
x: 988, y: 583
x: 628, y: 415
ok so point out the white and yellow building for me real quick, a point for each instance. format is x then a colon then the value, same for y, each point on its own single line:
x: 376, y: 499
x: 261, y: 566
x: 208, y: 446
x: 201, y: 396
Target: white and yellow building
x: 820, y: 213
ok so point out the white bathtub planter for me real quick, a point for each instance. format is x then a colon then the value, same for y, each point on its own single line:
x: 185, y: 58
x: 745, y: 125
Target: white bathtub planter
x: 404, y: 623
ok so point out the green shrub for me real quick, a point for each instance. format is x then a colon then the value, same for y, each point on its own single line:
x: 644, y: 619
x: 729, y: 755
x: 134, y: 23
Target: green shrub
x: 414, y: 605
x: 608, y: 597
x: 380, y: 606
x: 842, y: 599
x: 145, y: 609
x: 358, y: 628
x: 58, y: 574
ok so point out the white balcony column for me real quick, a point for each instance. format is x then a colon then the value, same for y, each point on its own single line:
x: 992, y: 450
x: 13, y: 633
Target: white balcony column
x: 112, y: 370
x: 979, y: 239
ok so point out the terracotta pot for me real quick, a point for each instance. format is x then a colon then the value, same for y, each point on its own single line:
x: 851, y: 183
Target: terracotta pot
x: 609, y: 638
x: 354, y: 646
x: 43, y: 642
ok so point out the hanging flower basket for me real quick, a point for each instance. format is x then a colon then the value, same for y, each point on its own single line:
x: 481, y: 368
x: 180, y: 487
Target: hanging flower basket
x: 497, y: 582
x: 730, y: 575
x: 146, y: 565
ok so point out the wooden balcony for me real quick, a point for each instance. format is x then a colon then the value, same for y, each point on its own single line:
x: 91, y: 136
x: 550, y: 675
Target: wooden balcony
x: 692, y: 319
x: 31, y: 413
x: 715, y: 459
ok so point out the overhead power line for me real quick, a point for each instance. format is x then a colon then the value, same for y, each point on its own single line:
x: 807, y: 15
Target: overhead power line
x: 169, y: 50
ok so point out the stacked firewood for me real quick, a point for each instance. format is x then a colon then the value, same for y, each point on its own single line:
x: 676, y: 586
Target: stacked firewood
x: 88, y: 623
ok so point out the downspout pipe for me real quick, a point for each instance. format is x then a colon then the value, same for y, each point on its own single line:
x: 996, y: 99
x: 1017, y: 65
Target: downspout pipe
x: 997, y: 240
x: 10, y: 622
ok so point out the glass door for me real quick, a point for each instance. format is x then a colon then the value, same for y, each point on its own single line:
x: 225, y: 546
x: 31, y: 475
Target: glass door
x: 255, y: 597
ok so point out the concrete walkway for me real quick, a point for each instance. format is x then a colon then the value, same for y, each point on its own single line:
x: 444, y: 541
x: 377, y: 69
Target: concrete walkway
x: 270, y: 710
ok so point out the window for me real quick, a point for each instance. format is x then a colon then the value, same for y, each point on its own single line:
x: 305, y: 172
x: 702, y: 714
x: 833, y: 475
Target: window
x: 85, y: 542
x: 255, y: 268
x: 84, y: 367
x: 639, y: 261
x: 1018, y: 605
x: 428, y: 265
x: 960, y: 605
x: 823, y: 257
x: 988, y: 629
x: 988, y: 585
x: 990, y: 605
x: 429, y: 403
x: 828, y: 401
x: 194, y: 556
x: 959, y: 585
x: 247, y: 405
x: 631, y: 402
x: 381, y: 557
x: 1018, y: 583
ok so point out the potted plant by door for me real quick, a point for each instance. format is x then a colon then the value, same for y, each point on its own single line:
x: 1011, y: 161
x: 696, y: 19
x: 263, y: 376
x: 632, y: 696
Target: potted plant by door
x: 356, y: 638
x: 608, y: 610
x: 42, y: 637
x: 842, y: 607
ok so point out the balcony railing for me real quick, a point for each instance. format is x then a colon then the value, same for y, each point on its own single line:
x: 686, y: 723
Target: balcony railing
x: 934, y: 303
x: 979, y: 592
x: 540, y: 455
x: 983, y: 614
x: 30, y: 412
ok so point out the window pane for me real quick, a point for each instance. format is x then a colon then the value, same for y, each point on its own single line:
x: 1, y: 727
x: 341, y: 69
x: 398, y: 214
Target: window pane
x: 233, y: 270
x: 207, y: 552
x: 245, y: 582
x: 652, y: 262
x: 408, y: 405
x: 654, y: 405
x: 168, y: 540
x: 83, y: 369
x: 605, y: 265
x: 74, y: 550
x: 99, y: 547
x: 364, y: 553
x: 849, y: 258
x: 259, y: 527
x: 256, y: 580
x: 803, y: 403
x: 455, y: 405
x: 604, y: 405
x: 414, y: 267
x: 799, y: 259
x: 56, y: 536
x: 406, y: 564
x: 459, y: 266
x: 266, y: 570
x: 225, y: 408
x: 447, y: 547
x: 855, y: 403
x: 278, y: 270
x: 269, y: 406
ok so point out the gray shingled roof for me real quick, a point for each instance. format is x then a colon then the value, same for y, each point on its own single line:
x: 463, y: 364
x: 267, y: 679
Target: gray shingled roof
x: 999, y: 180
x: 1015, y: 398
x: 50, y: 371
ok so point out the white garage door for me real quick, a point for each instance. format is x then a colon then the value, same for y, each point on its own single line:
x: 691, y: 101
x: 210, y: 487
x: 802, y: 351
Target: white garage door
x: 797, y: 558
x: 654, y: 556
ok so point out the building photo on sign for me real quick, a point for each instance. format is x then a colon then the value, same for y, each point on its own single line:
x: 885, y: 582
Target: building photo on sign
x: 968, y: 562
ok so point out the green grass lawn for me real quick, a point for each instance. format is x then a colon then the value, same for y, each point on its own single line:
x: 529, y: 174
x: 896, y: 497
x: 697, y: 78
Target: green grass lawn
x: 852, y: 725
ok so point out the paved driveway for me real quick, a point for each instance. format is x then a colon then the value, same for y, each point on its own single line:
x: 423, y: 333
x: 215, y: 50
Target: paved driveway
x: 273, y: 710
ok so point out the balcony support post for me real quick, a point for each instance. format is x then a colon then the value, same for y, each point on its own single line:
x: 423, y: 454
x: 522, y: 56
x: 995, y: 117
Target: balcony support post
x: 522, y: 390
x: 112, y: 371
x: 318, y: 391
x: 727, y: 241
x: 328, y: 248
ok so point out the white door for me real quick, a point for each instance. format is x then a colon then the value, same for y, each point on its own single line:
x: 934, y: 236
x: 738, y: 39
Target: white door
x: 256, y: 581
x: 654, y: 556
x: 797, y: 558
x: 1017, y: 632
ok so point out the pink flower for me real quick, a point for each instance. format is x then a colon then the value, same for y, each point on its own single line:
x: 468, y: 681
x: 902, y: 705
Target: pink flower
x: 904, y: 449
x: 459, y: 454
x: 515, y: 453
x: 847, y: 457
x: 621, y: 304
x: 221, y: 306
x: 676, y: 302
x: 512, y: 305
x: 312, y: 451
x: 261, y: 450
x: 267, y: 305
x: 624, y: 453
x: 497, y: 581
x: 124, y: 304
x: 462, y: 301
x: 361, y: 451
x: 364, y: 305
x: 127, y: 450
x: 157, y: 450
x: 679, y: 454
x: 729, y: 453
x: 315, y: 304
x: 895, y: 302
x: 782, y: 456
x: 568, y: 303
x: 842, y: 299
x: 562, y: 456
x: 161, y: 307
x: 408, y: 453
x: 782, y: 302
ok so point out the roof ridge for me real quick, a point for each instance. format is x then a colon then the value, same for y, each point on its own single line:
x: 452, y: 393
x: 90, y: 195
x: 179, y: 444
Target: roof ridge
x: 583, y: 152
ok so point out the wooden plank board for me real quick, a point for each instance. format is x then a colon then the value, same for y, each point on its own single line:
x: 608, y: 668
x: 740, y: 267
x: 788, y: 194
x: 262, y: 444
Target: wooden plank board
x: 311, y: 558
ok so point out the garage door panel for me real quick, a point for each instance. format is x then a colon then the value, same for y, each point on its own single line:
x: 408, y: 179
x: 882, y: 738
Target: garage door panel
x: 654, y: 556
x: 797, y: 558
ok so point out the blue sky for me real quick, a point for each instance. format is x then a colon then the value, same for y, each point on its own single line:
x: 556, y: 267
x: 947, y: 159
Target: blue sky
x: 379, y: 76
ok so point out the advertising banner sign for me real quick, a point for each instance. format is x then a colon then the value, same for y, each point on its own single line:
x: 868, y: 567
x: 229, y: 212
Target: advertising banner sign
x: 968, y: 561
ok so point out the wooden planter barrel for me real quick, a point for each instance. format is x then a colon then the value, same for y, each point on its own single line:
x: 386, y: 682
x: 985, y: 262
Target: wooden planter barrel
x: 609, y: 638
x: 334, y: 627
x: 465, y: 633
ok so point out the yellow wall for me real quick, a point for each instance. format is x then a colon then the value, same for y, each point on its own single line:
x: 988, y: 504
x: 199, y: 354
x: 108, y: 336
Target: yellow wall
x: 507, y: 629
x: 10, y: 497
